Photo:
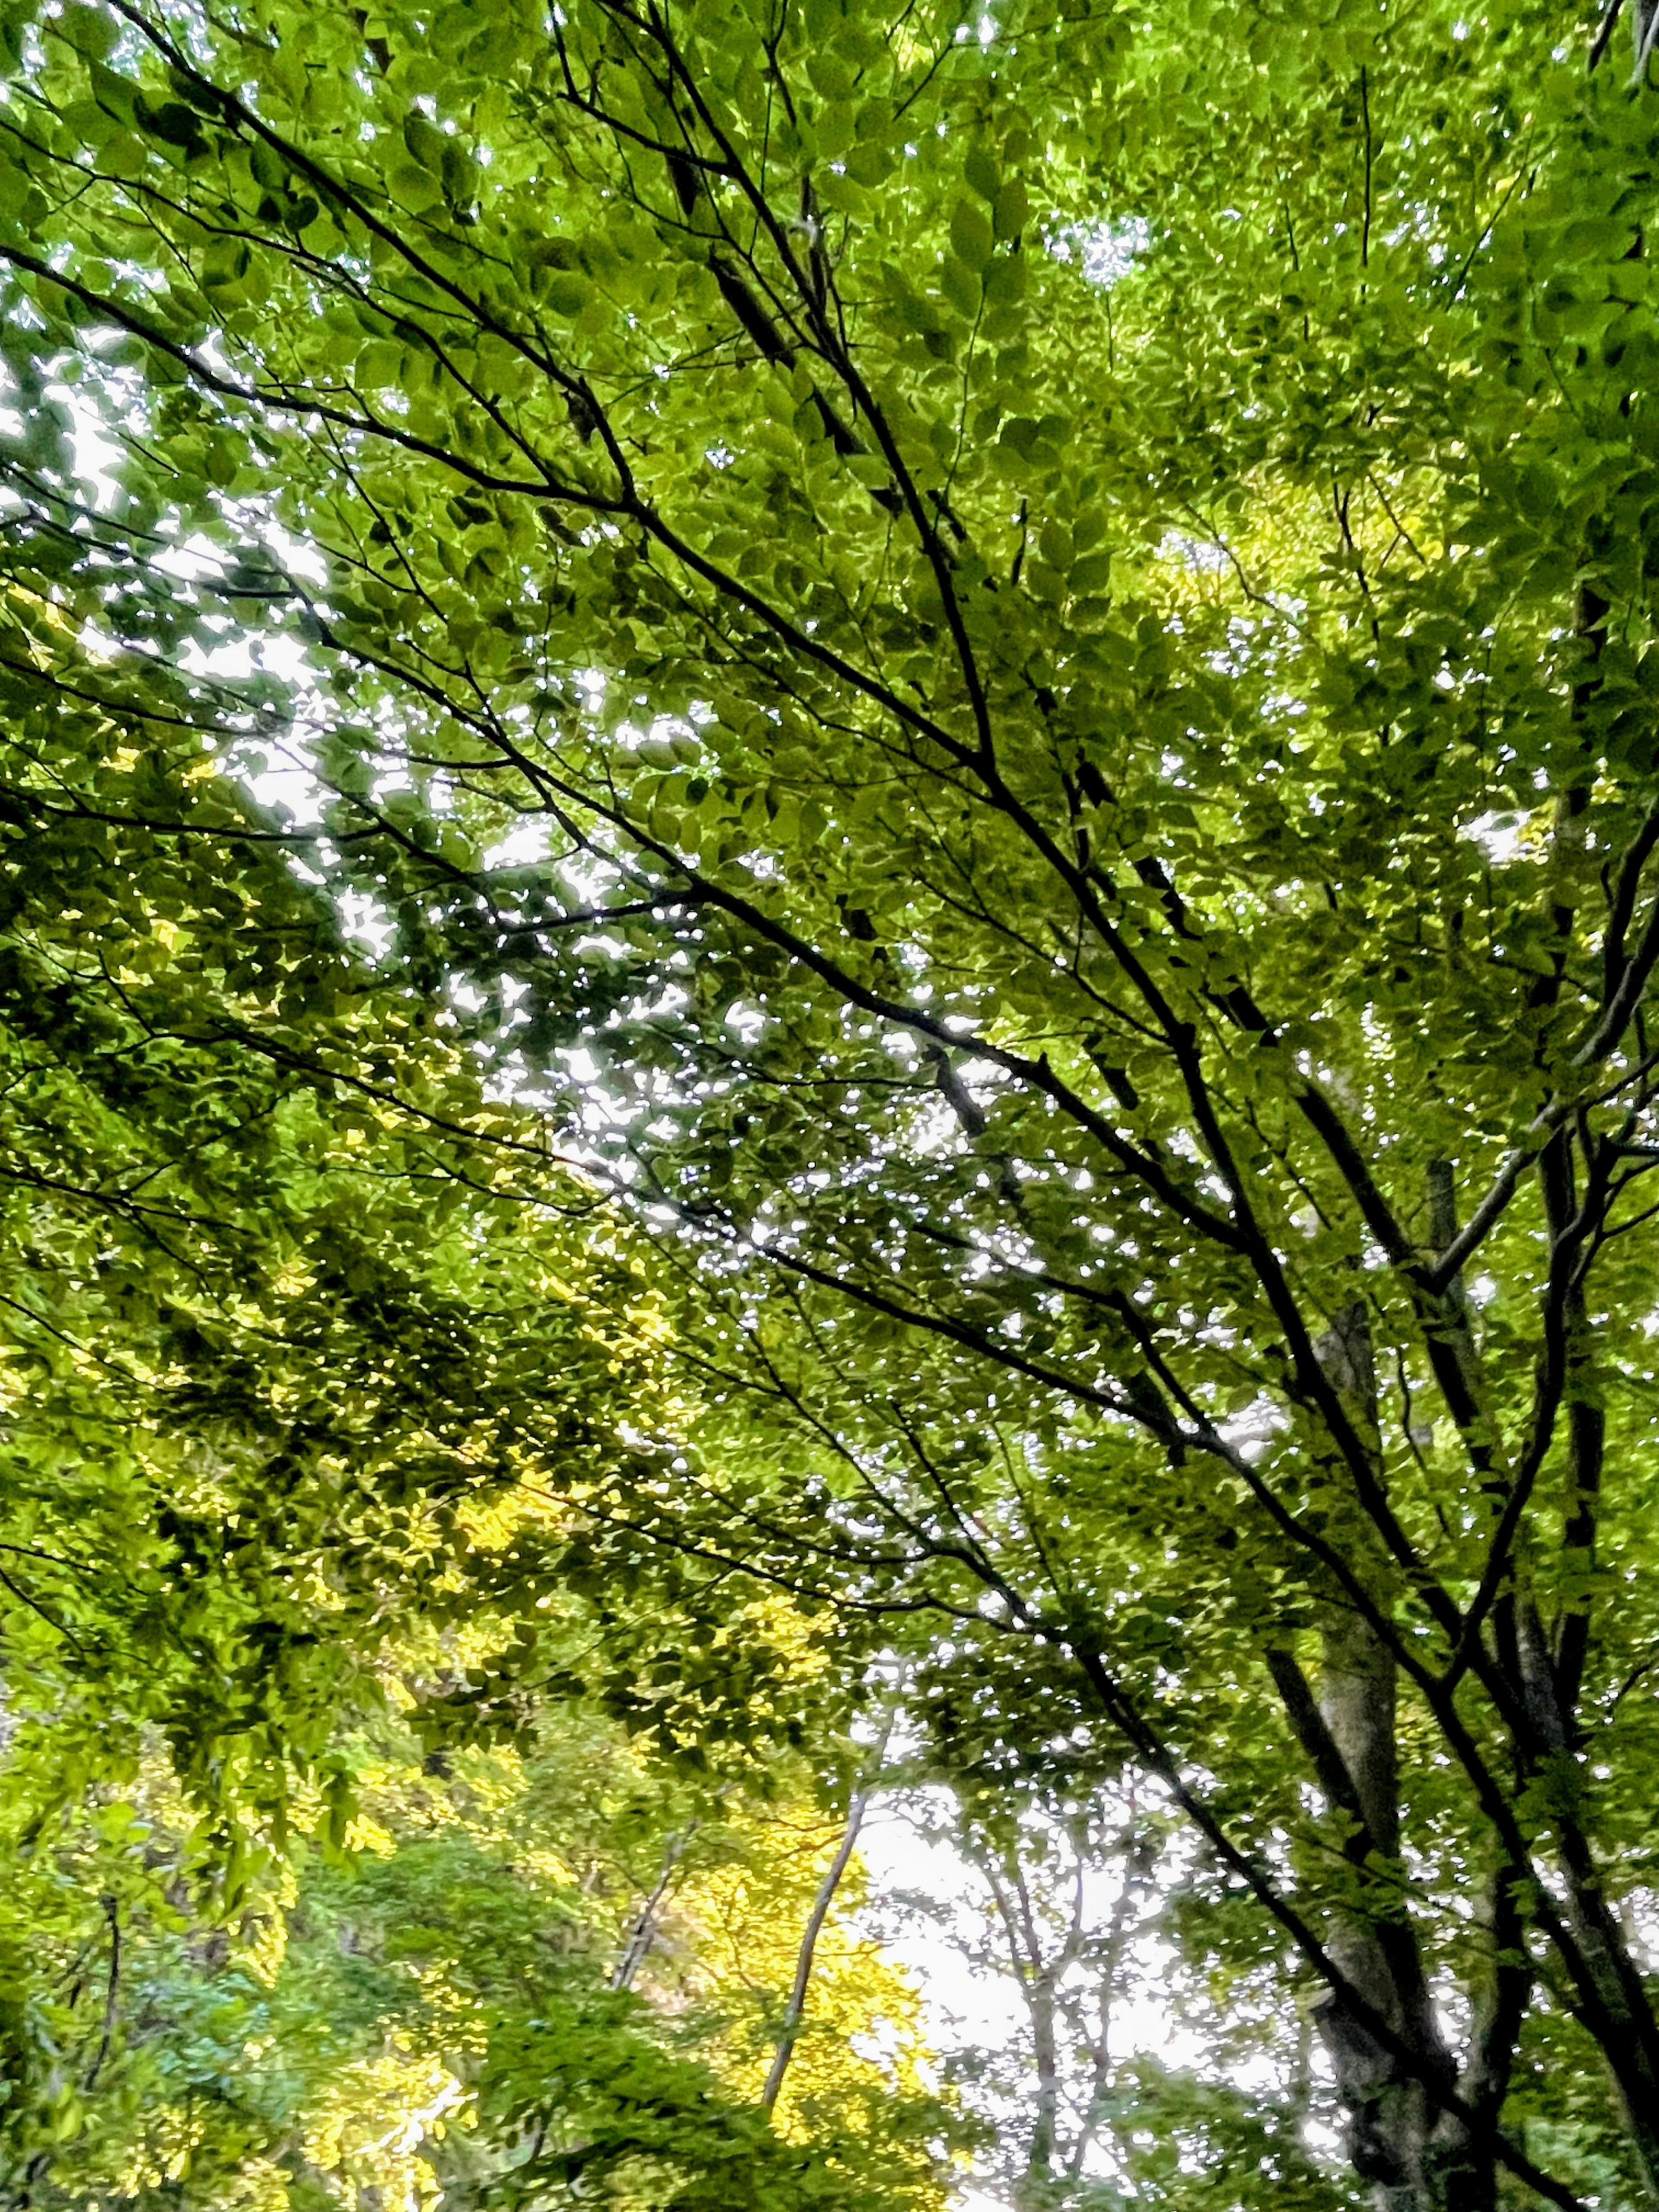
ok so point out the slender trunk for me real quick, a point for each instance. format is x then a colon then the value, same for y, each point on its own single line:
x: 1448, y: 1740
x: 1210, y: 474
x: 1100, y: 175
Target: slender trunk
x: 1035, y: 2186
x: 643, y: 1933
x: 1632, y: 2049
x: 1586, y: 1448
x: 1137, y: 1868
x: 795, y: 2012
x: 1551, y: 1676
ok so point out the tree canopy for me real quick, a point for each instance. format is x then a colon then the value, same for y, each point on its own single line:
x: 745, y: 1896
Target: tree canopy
x: 972, y: 693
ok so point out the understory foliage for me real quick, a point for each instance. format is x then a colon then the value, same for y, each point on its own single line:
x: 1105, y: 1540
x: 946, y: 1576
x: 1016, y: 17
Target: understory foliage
x: 436, y: 2015
x: 983, y: 685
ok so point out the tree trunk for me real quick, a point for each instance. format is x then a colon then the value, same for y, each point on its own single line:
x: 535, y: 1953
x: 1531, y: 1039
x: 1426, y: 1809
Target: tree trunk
x: 1392, y: 2120
x: 1035, y: 2190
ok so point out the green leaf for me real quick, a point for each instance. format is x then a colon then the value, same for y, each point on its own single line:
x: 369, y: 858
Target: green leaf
x: 1012, y: 210
x: 568, y: 294
x: 981, y: 173
x: 92, y: 31
x: 972, y: 237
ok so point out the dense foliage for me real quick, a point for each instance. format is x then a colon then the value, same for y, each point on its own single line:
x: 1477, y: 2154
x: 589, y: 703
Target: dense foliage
x: 996, y: 669
x: 329, y: 1878
x: 438, y: 2015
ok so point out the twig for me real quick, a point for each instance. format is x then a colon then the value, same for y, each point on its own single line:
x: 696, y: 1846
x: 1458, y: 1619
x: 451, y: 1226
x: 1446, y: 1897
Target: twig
x: 113, y: 1914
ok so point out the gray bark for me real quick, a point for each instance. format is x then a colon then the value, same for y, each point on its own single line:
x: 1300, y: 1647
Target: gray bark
x: 1392, y: 2119
x: 795, y: 2012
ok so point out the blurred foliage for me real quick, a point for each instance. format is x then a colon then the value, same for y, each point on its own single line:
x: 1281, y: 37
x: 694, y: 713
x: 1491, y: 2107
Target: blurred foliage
x: 428, y: 2014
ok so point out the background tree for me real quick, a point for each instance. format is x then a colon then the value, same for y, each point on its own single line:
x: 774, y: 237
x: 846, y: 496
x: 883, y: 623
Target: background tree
x: 1081, y: 852
x: 429, y: 2016
x: 1044, y: 1918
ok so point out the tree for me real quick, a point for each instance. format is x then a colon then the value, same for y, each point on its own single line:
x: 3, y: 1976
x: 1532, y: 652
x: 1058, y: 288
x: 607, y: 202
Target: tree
x: 428, y: 2017
x: 1042, y: 1925
x: 1078, y: 846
